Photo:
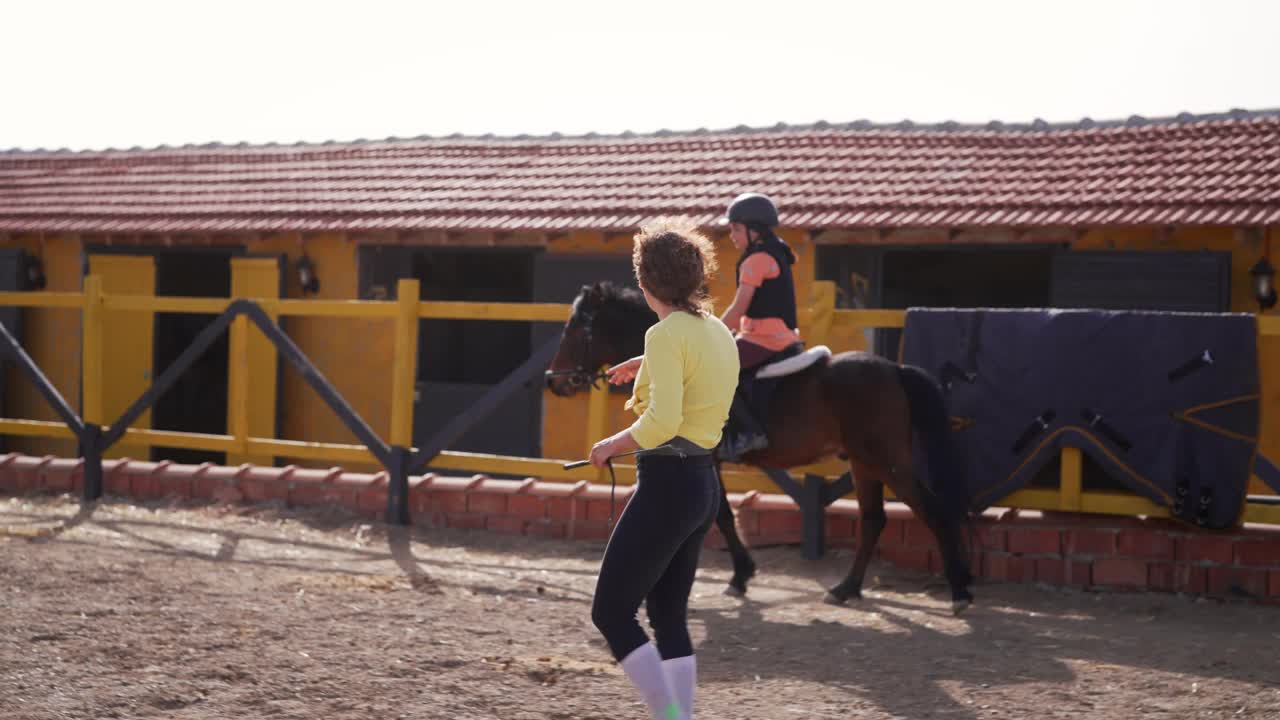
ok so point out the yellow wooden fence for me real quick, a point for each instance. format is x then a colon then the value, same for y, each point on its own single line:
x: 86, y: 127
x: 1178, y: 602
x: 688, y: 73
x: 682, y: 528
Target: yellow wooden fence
x: 818, y: 321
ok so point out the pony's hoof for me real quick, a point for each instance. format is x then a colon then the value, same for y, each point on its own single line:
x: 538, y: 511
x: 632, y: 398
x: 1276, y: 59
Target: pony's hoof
x: 959, y: 606
x: 834, y: 598
x: 837, y: 596
x: 735, y: 591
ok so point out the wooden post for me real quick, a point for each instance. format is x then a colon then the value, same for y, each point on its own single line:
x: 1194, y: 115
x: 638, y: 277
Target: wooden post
x: 252, y: 395
x: 1071, y: 479
x: 238, y: 385
x: 92, y: 352
x: 91, y: 407
x: 824, y: 307
x: 404, y: 369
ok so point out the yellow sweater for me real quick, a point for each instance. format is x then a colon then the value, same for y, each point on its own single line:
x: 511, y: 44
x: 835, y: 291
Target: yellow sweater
x: 686, y: 382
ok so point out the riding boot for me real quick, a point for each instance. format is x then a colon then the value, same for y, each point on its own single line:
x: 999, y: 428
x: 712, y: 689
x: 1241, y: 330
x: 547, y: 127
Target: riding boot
x: 743, y: 433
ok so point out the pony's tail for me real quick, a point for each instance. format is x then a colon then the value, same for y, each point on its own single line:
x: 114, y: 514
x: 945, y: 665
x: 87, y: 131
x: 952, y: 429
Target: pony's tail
x: 942, y: 492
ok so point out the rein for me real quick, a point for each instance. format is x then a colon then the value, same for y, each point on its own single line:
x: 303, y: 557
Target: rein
x: 580, y: 376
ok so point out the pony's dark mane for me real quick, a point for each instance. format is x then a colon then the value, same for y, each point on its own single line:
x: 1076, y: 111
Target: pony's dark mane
x: 619, y: 314
x: 605, y: 294
x: 610, y: 292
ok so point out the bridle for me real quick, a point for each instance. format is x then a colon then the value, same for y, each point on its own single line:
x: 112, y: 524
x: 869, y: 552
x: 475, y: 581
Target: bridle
x: 580, y: 376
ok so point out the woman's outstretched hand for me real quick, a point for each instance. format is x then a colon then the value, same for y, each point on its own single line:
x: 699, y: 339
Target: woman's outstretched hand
x: 624, y: 372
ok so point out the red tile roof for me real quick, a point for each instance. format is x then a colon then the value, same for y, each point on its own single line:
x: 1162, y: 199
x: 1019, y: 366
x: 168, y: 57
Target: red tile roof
x: 1190, y: 170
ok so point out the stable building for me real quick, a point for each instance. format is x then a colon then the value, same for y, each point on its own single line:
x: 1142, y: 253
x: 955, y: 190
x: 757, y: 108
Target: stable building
x: 1166, y: 214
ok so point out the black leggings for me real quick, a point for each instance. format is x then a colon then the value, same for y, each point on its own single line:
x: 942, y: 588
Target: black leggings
x: 652, y: 555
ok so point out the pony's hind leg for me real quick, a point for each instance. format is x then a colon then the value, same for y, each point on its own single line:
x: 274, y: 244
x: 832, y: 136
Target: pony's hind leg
x: 871, y: 522
x: 944, y: 523
x: 743, y: 566
x: 947, y: 532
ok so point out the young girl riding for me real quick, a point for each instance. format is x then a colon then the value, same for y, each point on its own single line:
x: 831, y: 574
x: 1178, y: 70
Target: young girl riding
x: 763, y: 310
x: 684, y: 384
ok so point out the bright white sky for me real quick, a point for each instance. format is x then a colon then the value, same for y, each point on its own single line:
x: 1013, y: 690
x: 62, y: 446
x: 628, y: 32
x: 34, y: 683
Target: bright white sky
x: 120, y: 73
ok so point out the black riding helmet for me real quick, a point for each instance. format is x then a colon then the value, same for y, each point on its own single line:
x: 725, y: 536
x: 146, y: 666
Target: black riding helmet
x: 753, y: 210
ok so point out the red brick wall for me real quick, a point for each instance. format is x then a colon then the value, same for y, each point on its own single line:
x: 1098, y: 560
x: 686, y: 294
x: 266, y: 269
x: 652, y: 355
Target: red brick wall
x: 1057, y: 549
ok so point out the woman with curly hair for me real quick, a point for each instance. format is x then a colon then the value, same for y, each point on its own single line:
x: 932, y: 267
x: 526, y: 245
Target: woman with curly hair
x: 684, y: 384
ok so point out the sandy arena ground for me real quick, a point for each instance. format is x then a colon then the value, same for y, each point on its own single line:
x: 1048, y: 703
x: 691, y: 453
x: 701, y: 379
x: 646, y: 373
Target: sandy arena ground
x: 125, y: 611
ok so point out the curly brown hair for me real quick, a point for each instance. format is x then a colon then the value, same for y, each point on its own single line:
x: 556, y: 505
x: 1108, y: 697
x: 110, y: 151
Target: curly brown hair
x: 674, y: 261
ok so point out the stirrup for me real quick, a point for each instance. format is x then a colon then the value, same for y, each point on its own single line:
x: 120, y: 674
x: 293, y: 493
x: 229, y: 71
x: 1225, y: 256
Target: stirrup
x: 734, y: 446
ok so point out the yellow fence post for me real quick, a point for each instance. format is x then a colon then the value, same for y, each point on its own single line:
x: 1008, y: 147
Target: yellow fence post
x: 252, y: 395
x: 238, y: 385
x: 404, y: 369
x: 823, y: 296
x: 597, y: 409
x: 1071, y: 479
x: 128, y: 338
x: 91, y: 352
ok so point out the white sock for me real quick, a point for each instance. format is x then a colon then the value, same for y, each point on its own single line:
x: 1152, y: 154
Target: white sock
x: 682, y: 676
x: 643, y: 667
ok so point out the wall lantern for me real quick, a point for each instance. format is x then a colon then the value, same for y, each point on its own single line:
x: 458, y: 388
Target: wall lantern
x: 1264, y: 287
x: 307, y: 276
x: 35, y: 272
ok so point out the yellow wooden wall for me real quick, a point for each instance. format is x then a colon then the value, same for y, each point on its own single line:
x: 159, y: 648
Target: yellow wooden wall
x: 353, y: 353
x: 356, y: 354
x: 1268, y: 360
x: 1245, y: 247
x: 52, y: 338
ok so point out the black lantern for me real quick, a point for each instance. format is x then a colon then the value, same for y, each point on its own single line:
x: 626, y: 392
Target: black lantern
x: 35, y: 272
x: 1264, y: 287
x: 307, y: 276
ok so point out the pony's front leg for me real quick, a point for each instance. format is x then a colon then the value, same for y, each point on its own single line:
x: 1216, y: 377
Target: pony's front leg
x: 743, y: 566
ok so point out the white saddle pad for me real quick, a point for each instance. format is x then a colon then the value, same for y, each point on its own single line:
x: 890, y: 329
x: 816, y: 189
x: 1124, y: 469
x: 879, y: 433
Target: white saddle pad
x: 795, y: 363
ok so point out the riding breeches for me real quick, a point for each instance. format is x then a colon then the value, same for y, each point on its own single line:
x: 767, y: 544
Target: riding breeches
x: 652, y: 555
x: 751, y: 354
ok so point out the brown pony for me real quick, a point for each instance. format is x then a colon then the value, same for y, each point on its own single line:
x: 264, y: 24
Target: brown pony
x: 855, y: 405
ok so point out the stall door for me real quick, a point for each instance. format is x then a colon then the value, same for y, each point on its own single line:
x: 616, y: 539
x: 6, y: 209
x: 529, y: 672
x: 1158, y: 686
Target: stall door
x: 1151, y: 280
x: 459, y: 361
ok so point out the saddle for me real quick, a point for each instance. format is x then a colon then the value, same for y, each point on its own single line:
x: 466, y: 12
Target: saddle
x: 759, y: 383
x: 791, y: 361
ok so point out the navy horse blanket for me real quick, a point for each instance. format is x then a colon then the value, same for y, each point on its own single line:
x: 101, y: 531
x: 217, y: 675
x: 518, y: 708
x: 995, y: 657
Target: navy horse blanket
x: 1166, y: 403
